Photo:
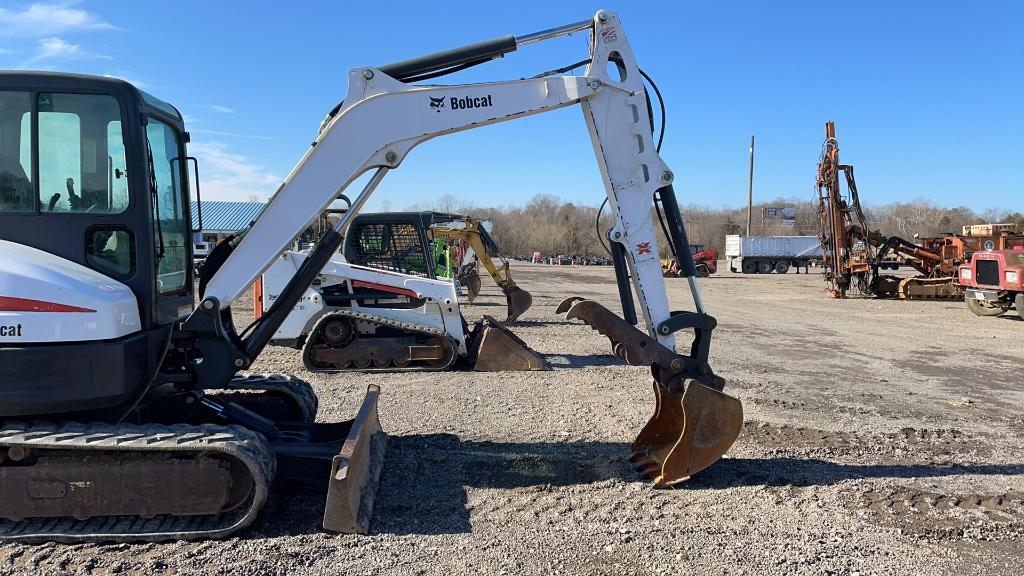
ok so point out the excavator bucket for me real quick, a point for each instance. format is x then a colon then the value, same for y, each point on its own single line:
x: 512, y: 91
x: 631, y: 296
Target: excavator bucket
x: 471, y: 281
x: 692, y: 427
x: 497, y: 349
x: 694, y: 422
x: 519, y: 301
x: 355, y: 471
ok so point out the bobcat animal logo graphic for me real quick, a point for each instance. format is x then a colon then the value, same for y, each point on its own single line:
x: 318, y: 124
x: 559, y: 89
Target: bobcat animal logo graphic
x: 436, y: 103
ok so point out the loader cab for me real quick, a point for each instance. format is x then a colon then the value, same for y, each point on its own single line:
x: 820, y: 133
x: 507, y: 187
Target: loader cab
x: 94, y: 171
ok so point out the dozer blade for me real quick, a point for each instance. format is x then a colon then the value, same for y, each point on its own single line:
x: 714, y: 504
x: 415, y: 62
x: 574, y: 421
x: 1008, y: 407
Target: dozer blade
x: 694, y: 423
x: 355, y: 471
x: 691, y: 429
x: 519, y: 301
x: 472, y: 283
x: 497, y: 349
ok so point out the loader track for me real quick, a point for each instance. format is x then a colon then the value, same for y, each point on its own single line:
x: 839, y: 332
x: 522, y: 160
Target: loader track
x: 253, y: 390
x: 992, y: 516
x: 73, y: 440
x: 904, y: 444
x: 364, y: 361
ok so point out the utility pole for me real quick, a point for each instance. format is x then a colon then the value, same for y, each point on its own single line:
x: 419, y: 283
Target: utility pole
x: 750, y: 185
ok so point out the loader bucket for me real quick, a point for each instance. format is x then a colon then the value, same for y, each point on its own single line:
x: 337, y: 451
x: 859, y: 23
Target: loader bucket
x: 519, y: 301
x: 355, y: 471
x: 691, y: 428
x: 497, y: 349
x: 694, y: 423
x: 472, y: 283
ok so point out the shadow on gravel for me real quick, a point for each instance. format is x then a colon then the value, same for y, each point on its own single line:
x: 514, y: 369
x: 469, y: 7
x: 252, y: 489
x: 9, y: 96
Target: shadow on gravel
x: 521, y: 322
x: 733, y: 472
x: 580, y: 360
x: 423, y: 486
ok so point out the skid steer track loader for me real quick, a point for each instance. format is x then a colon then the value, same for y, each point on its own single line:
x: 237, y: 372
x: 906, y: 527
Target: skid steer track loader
x: 380, y: 306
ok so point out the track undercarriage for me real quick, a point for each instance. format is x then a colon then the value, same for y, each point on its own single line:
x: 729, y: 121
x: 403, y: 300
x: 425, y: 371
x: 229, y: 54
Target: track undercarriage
x: 195, y: 478
x: 347, y: 340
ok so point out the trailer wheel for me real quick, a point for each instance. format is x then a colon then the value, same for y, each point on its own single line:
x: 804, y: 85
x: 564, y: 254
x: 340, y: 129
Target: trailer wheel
x: 782, y: 266
x: 764, y: 267
x: 749, y: 266
x: 1019, y: 303
x: 982, y: 309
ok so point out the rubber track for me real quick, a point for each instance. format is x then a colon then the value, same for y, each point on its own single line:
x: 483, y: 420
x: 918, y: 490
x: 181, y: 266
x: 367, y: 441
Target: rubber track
x: 365, y: 317
x: 245, y: 445
x: 298, y: 390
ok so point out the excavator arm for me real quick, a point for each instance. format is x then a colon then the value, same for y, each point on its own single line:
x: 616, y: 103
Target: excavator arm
x: 384, y: 116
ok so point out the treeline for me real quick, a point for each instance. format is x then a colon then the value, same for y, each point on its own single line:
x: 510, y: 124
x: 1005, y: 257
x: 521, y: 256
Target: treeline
x: 550, y: 226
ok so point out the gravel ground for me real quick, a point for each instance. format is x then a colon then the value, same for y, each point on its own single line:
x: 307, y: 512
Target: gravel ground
x: 881, y: 437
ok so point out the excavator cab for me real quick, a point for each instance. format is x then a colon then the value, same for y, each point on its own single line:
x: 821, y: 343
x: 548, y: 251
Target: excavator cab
x: 102, y: 413
x: 94, y: 220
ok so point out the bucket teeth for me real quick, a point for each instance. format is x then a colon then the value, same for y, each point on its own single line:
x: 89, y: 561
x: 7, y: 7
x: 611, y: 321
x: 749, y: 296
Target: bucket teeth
x: 693, y: 424
x: 689, y: 431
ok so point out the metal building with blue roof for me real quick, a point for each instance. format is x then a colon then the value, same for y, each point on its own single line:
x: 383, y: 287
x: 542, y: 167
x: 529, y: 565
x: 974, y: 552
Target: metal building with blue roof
x: 221, y: 219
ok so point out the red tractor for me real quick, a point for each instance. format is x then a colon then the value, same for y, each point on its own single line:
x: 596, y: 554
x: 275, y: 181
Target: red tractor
x: 705, y: 259
x: 994, y: 281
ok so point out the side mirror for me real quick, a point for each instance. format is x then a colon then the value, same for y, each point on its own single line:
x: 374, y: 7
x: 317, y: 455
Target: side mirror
x: 199, y: 199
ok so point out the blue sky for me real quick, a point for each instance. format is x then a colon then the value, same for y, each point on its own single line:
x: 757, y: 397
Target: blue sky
x: 927, y: 96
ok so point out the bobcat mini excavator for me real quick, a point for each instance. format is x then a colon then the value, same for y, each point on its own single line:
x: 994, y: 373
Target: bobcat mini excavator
x: 124, y: 414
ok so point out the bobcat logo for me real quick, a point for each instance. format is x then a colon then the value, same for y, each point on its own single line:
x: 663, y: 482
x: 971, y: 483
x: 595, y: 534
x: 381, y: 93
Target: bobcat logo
x: 436, y: 103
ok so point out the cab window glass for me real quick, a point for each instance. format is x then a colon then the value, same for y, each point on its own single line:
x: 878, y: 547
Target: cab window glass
x: 82, y: 161
x: 16, y: 193
x: 110, y: 250
x: 168, y: 196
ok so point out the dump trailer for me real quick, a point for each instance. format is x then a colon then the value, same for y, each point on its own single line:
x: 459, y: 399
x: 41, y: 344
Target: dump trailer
x: 767, y: 254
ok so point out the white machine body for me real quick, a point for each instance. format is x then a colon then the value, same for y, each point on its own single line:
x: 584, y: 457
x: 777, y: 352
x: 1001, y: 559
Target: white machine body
x: 440, y: 308
x: 45, y: 298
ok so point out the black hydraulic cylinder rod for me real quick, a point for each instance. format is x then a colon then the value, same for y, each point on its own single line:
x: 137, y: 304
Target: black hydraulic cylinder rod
x: 622, y: 280
x: 293, y: 291
x: 677, y: 231
x: 486, y: 50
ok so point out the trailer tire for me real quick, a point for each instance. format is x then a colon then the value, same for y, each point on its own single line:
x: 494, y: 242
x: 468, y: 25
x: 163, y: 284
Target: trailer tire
x: 782, y: 266
x: 980, y: 309
x: 764, y: 267
x: 749, y: 266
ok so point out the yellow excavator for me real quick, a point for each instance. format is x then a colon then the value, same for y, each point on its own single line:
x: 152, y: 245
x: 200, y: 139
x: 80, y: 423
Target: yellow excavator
x: 471, y: 233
